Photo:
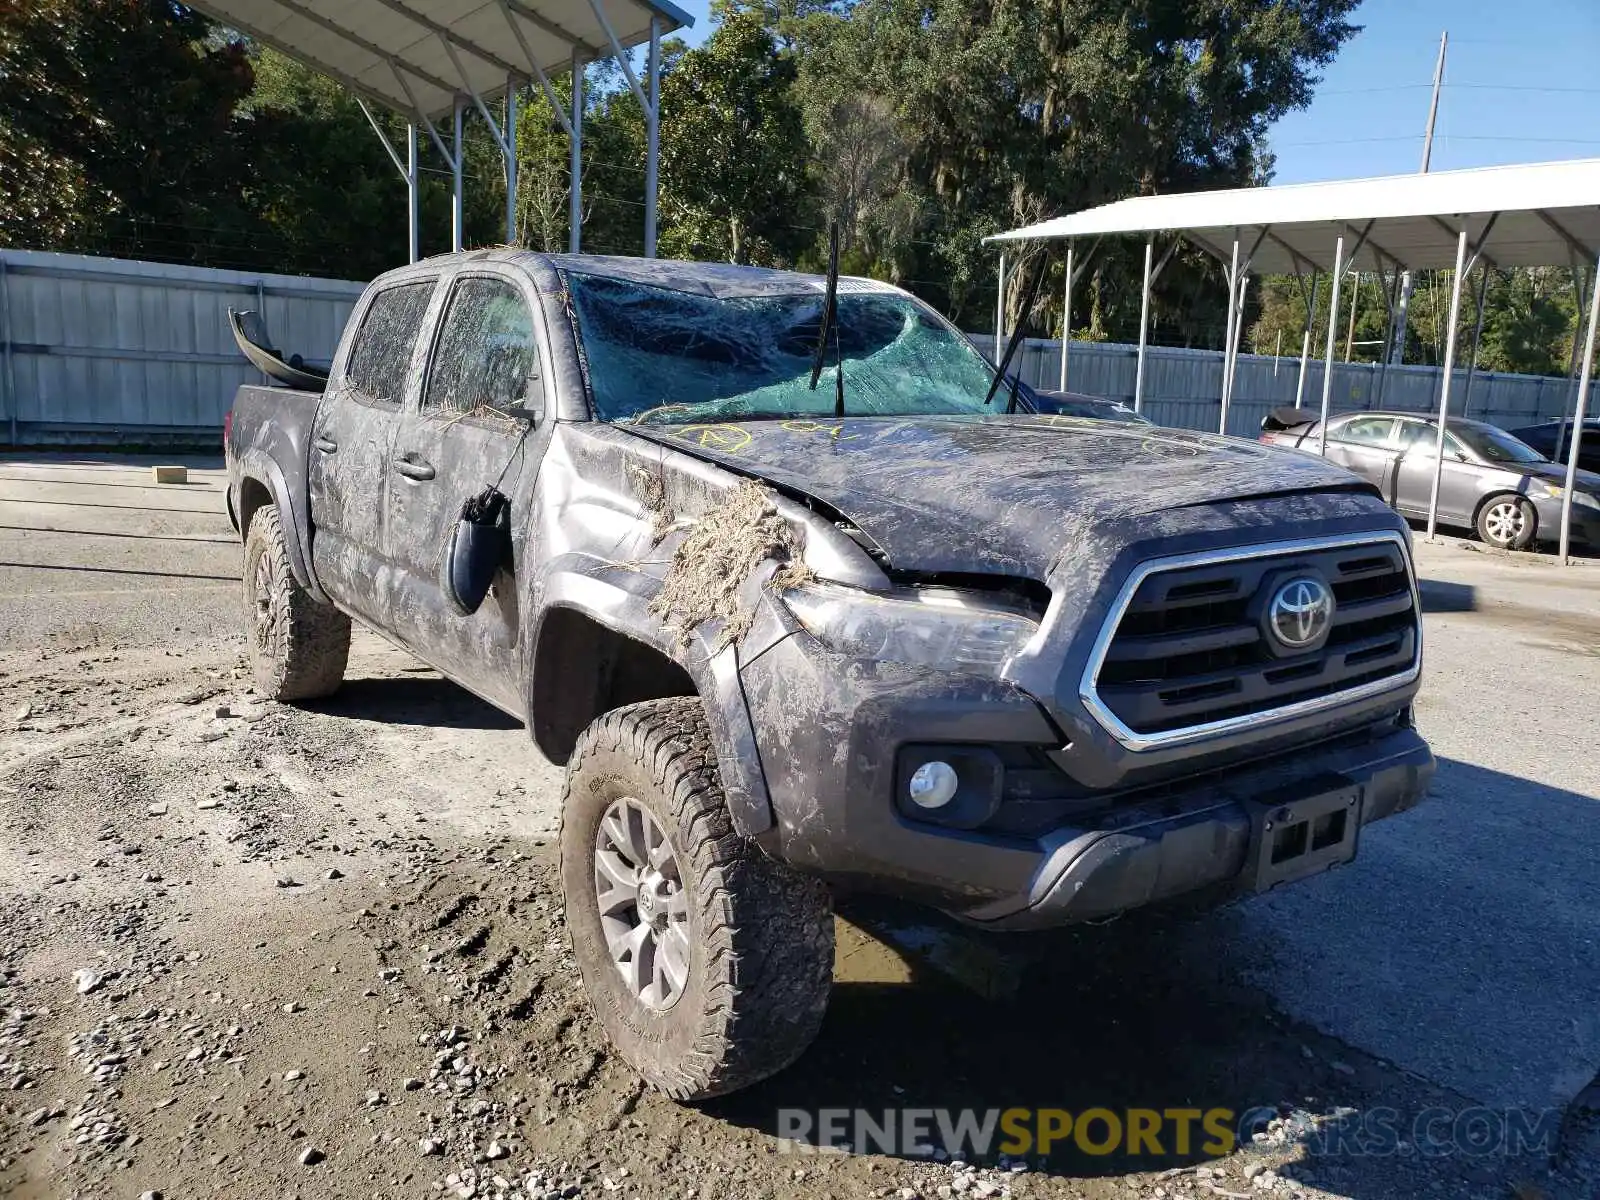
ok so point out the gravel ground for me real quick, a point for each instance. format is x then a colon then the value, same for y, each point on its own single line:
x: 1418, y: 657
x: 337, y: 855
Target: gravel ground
x: 253, y: 950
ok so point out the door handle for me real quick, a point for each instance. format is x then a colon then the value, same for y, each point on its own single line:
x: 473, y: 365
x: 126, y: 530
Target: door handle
x: 413, y: 468
x: 326, y: 445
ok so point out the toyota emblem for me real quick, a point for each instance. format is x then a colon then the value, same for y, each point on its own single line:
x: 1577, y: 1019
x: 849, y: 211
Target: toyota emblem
x: 1300, y: 612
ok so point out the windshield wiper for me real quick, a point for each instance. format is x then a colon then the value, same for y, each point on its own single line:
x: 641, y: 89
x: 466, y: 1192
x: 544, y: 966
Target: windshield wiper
x: 1013, y: 343
x: 830, y: 324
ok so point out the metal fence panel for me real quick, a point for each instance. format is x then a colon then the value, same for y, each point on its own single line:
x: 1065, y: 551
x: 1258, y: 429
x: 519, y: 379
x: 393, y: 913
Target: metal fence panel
x: 1182, y: 387
x: 111, y: 350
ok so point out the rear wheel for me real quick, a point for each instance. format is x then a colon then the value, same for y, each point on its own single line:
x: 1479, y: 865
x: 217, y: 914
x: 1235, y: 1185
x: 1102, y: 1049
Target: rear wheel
x: 1508, y: 522
x: 298, y: 646
x: 708, y: 964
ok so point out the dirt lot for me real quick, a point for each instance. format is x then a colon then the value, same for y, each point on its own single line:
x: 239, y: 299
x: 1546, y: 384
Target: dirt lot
x: 249, y: 950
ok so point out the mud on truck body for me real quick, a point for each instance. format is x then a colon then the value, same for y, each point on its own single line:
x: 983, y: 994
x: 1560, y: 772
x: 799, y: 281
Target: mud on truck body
x: 1023, y: 668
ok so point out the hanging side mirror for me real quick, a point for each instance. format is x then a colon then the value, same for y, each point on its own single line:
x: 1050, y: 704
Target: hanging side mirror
x: 530, y: 410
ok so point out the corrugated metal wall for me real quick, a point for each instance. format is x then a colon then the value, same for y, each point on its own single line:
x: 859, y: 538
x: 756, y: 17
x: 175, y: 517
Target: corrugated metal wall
x: 1182, y: 386
x: 107, y: 350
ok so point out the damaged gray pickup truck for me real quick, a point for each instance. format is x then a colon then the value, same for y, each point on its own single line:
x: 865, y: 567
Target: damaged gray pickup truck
x: 1023, y: 668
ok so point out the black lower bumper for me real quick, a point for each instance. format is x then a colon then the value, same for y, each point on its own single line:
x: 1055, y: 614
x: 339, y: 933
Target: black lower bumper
x: 1222, y: 836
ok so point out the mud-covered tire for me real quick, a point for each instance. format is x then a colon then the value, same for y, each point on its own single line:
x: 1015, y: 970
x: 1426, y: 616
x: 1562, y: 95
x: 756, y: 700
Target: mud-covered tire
x: 298, y: 646
x: 760, y: 934
x: 1507, y: 521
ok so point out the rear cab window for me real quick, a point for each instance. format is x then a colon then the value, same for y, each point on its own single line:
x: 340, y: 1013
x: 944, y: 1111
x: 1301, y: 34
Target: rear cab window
x: 380, y: 358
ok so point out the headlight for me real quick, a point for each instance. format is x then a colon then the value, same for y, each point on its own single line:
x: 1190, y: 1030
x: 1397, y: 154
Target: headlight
x: 924, y: 627
x: 1584, y: 499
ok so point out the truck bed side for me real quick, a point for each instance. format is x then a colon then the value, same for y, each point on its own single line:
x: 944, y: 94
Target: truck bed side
x: 267, y: 445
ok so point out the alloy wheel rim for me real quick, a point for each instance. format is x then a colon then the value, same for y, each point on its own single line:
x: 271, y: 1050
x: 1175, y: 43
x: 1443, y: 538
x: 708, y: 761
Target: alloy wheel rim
x: 644, y: 912
x: 264, y: 597
x: 1505, y: 522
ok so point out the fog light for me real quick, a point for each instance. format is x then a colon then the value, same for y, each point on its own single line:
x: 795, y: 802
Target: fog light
x: 933, y: 785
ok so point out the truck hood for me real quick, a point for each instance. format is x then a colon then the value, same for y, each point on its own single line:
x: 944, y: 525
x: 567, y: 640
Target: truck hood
x: 999, y: 494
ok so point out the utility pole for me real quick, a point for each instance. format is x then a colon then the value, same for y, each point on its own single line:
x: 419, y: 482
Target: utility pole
x: 1398, y: 350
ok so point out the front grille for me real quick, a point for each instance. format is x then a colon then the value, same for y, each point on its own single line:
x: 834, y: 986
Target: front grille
x: 1188, y: 648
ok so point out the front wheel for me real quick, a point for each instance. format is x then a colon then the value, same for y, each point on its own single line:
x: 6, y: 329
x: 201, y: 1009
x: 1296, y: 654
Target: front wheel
x: 708, y: 964
x: 1508, y: 522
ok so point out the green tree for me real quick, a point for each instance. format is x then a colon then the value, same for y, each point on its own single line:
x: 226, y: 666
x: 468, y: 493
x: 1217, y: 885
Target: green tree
x: 1016, y: 110
x: 734, y: 155
x: 119, y: 130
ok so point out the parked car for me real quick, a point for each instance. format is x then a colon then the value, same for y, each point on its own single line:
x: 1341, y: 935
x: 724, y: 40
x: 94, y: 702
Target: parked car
x: 1076, y: 404
x: 1491, y: 481
x: 1553, y: 439
x: 1025, y: 671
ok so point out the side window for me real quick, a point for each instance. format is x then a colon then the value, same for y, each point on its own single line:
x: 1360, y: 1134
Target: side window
x: 1365, y: 431
x: 1416, y: 436
x: 382, y: 352
x: 485, y: 356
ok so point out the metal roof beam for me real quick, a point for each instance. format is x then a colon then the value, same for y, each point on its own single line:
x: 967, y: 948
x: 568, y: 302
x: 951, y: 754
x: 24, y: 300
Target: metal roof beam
x: 447, y: 34
x: 620, y: 53
x: 371, y: 48
x: 1300, y: 260
x: 1475, y: 248
x: 533, y: 64
x: 394, y: 156
x: 500, y: 138
x: 1574, y: 245
x: 550, y: 27
x: 421, y: 115
x: 1378, y: 251
x: 332, y: 72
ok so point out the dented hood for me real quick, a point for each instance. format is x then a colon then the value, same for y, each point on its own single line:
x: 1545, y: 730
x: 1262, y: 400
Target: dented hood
x: 998, y: 494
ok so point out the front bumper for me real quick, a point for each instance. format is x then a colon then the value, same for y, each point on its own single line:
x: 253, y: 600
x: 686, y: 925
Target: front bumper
x: 1134, y: 831
x: 1585, y: 522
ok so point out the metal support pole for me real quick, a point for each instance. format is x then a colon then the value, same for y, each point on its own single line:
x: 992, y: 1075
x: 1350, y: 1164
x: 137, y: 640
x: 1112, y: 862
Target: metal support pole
x: 652, y: 135
x: 510, y: 149
x: 1066, y: 316
x: 1000, y: 312
x: 413, y: 209
x: 1444, y: 383
x: 1144, y: 326
x: 575, y: 161
x: 1333, y: 337
x: 1477, y: 338
x: 1305, y: 343
x: 1579, y: 286
x: 458, y: 211
x: 8, y: 381
x: 1233, y: 353
x: 1227, y: 328
x: 1577, y: 421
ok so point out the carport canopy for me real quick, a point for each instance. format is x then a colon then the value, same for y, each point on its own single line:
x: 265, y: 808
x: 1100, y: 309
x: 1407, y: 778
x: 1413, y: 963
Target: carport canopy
x: 1544, y: 214
x: 430, y: 59
x: 1528, y: 215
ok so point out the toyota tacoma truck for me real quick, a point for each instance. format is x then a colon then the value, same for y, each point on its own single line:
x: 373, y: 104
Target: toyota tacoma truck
x: 895, y: 633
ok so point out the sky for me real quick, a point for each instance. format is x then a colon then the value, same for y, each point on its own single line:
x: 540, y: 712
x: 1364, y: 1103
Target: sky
x: 1522, y: 84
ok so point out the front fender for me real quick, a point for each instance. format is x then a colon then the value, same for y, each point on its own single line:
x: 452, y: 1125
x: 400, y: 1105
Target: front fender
x: 619, y: 600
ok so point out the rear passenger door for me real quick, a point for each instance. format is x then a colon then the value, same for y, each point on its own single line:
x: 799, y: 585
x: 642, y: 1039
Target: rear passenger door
x: 351, y: 437
x: 1362, y: 444
x: 455, y: 440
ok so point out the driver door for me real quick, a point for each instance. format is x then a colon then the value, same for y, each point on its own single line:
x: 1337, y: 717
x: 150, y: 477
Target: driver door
x: 455, y: 439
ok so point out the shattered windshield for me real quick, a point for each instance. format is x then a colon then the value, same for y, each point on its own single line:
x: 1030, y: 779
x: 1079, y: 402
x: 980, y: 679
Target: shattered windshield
x: 658, y: 354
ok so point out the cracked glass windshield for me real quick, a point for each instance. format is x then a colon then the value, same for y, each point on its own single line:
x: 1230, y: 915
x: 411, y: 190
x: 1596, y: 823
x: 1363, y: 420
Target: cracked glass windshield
x: 661, y: 355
